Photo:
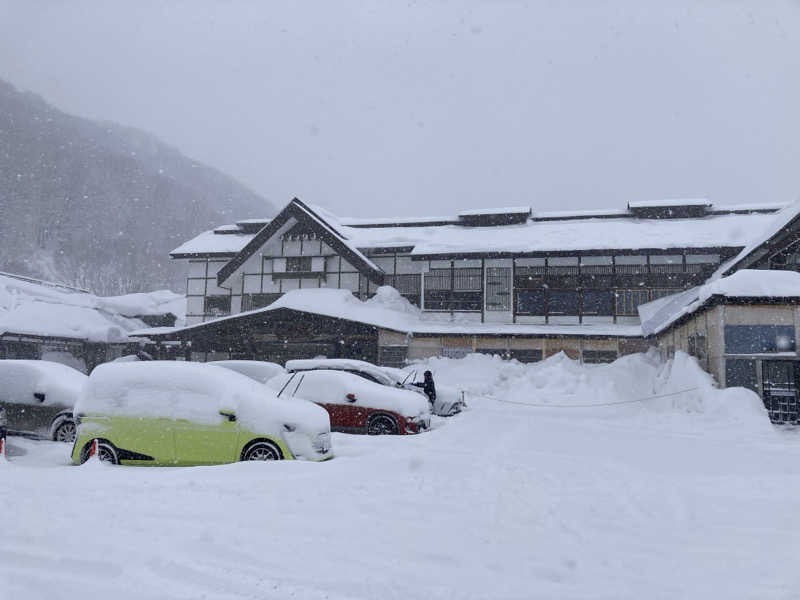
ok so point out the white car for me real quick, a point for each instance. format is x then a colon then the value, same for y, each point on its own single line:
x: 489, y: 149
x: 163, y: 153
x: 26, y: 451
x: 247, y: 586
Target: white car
x: 38, y: 396
x: 259, y: 370
x: 356, y: 404
x: 449, y: 401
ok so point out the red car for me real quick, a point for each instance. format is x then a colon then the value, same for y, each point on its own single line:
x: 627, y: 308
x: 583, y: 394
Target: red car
x: 357, y: 405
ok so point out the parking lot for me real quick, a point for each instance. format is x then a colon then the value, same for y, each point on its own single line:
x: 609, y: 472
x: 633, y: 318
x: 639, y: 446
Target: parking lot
x: 501, y: 501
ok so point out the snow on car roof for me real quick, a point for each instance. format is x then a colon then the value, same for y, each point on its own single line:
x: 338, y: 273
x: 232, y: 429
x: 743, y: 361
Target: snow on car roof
x: 343, y: 364
x: 259, y: 370
x: 59, y: 383
x: 331, y: 387
x: 195, y: 391
x: 656, y: 316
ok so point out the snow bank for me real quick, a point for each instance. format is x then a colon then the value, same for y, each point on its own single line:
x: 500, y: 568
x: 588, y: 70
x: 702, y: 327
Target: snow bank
x: 638, y: 385
x: 60, y: 384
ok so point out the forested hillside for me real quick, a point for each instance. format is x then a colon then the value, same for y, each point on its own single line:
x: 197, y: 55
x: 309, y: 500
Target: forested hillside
x: 100, y: 205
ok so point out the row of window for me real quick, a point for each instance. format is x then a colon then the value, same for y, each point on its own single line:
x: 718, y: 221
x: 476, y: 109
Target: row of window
x: 539, y: 302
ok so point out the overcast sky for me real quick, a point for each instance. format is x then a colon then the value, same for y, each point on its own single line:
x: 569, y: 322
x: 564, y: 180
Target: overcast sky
x: 381, y: 108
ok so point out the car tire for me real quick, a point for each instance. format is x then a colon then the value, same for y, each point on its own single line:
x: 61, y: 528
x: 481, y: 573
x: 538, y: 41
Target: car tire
x: 65, y: 431
x: 105, y: 452
x: 381, y: 424
x: 262, y: 450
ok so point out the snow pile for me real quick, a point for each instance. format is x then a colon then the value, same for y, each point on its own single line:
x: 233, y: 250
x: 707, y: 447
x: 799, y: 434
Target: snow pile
x: 638, y: 385
x: 33, y: 307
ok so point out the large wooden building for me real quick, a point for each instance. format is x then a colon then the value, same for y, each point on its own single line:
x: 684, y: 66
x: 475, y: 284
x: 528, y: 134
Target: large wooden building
x: 508, y: 281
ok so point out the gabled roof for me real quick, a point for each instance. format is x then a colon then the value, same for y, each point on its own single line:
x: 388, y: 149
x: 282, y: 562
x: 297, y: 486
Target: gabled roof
x: 328, y: 233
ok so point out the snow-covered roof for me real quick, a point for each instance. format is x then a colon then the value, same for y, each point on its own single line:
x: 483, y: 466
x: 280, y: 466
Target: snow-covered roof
x: 601, y: 230
x: 669, y: 203
x: 389, y: 310
x: 564, y: 235
x: 658, y: 315
x: 214, y: 242
x: 28, y: 307
x: 476, y: 212
x: 772, y: 227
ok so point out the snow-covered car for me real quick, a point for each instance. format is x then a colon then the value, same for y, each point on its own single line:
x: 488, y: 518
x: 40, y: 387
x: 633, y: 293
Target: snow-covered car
x: 449, y: 401
x: 184, y: 413
x: 38, y: 397
x: 356, y: 404
x: 259, y: 370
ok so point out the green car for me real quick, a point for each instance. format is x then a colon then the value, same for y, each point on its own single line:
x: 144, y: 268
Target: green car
x: 183, y: 413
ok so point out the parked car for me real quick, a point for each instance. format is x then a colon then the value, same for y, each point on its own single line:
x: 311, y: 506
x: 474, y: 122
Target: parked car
x: 449, y: 401
x: 38, y: 397
x: 260, y: 370
x: 356, y: 404
x: 184, y: 413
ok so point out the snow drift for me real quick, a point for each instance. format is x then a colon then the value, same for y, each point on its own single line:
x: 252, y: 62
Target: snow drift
x: 635, y: 386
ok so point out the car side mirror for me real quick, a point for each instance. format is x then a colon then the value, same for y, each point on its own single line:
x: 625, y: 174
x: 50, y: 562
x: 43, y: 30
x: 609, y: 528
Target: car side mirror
x: 228, y: 414
x: 39, y: 396
x: 351, y: 397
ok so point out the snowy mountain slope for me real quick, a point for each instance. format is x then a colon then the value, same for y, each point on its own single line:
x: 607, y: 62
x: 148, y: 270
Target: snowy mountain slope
x: 501, y: 502
x: 100, y: 205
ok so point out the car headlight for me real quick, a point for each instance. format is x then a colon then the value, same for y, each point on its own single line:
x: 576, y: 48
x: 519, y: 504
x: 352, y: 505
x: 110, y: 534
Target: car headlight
x: 321, y: 442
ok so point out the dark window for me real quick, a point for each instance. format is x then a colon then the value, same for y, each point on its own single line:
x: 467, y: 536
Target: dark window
x: 562, y: 302
x: 696, y: 345
x: 217, y: 306
x: 501, y: 352
x: 630, y: 264
x: 629, y: 300
x: 393, y: 356
x: 498, y: 288
x: 254, y: 301
x: 740, y: 372
x: 458, y: 289
x: 758, y: 339
x: 666, y: 263
x: 526, y: 356
x: 530, y: 302
x: 298, y: 264
x: 597, y: 302
x: 599, y: 356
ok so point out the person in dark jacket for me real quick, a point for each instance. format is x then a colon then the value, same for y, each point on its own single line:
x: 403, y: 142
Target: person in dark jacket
x: 428, y: 386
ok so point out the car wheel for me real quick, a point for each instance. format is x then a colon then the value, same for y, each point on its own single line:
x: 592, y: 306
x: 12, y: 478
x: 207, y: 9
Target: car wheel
x: 381, y: 425
x: 105, y: 452
x: 262, y: 451
x: 65, y: 432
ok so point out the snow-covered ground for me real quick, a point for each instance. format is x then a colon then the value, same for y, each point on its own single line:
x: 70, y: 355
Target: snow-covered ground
x: 691, y: 495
